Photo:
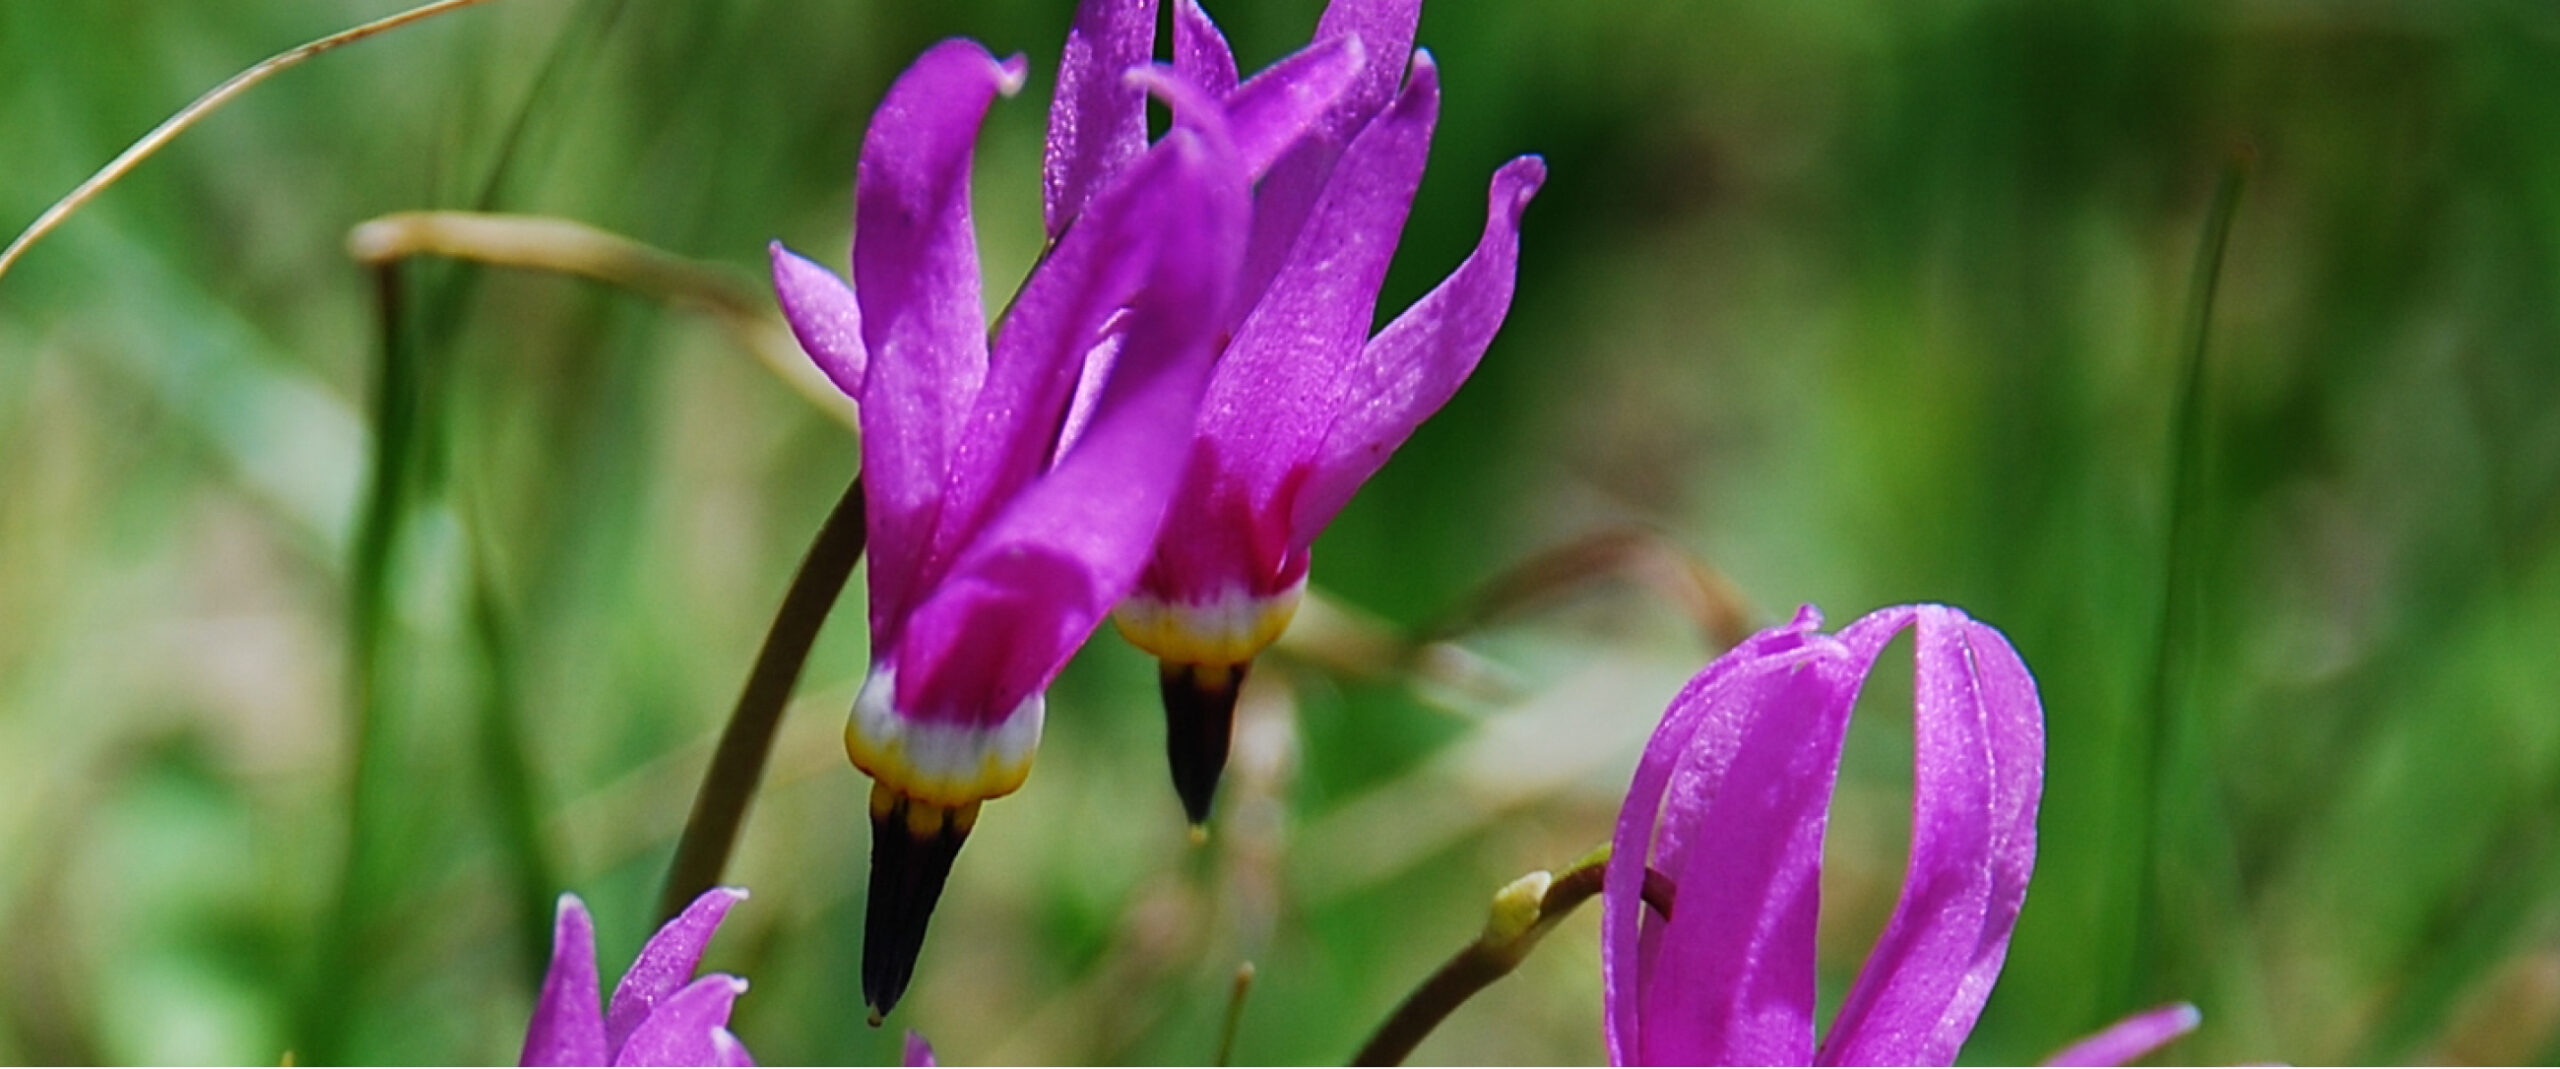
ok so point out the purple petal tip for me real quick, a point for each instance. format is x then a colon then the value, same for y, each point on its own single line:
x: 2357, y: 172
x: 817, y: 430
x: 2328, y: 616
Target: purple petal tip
x: 1015, y: 70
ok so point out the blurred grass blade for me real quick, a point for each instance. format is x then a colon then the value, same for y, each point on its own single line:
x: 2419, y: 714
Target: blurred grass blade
x: 398, y: 400
x: 188, y: 116
x: 2175, y: 776
x: 509, y: 770
x: 563, y: 246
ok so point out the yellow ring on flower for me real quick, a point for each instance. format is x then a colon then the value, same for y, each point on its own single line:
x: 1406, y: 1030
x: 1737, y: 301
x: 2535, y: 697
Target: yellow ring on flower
x: 1231, y: 628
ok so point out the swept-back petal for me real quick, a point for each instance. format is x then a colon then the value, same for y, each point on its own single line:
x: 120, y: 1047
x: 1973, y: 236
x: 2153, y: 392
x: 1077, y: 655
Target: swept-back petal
x: 686, y: 1028
x: 1028, y: 589
x: 1097, y: 122
x: 667, y: 963
x: 1270, y: 113
x: 1730, y: 980
x: 1200, y: 52
x: 1284, y: 375
x: 1977, y: 771
x: 915, y: 268
x: 566, y: 1027
x: 1626, y: 929
x: 824, y: 315
x: 2132, y: 1037
x: 1415, y: 365
x: 1385, y: 29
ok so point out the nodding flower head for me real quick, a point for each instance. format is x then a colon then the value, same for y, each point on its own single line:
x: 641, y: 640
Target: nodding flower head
x: 1730, y: 801
x: 1305, y: 405
x: 998, y: 541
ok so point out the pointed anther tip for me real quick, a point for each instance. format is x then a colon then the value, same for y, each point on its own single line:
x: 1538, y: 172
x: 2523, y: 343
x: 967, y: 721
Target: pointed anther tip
x: 1199, y: 834
x: 877, y: 1017
x: 1199, y: 721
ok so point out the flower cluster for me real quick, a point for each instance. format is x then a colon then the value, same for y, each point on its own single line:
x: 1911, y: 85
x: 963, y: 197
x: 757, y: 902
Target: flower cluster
x: 1017, y: 492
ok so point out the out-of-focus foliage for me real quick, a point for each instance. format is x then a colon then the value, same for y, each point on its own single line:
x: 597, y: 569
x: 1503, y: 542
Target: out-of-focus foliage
x: 1862, y: 303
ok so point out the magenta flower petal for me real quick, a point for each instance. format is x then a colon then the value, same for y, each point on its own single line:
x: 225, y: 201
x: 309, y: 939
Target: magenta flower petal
x: 1628, y: 933
x: 1730, y: 800
x: 1043, y: 574
x: 567, y: 1029
x: 1730, y: 979
x: 1385, y: 29
x: 2132, y: 1038
x: 688, y: 1027
x: 918, y: 1053
x: 1977, y: 770
x: 823, y: 315
x: 1282, y: 382
x: 667, y: 963
x: 1097, y: 122
x: 1273, y: 111
x: 1200, y: 52
x: 1417, y: 364
x: 915, y: 265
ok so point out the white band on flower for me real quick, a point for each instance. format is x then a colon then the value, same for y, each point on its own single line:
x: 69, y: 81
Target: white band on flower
x: 1227, y: 629
x: 950, y: 762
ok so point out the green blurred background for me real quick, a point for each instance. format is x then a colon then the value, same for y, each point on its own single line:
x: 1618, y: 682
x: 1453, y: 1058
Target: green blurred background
x: 1857, y: 302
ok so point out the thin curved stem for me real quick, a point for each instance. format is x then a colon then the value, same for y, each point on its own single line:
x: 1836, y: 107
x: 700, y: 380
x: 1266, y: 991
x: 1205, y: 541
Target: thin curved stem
x: 1504, y: 945
x: 738, y: 765
x: 216, y: 97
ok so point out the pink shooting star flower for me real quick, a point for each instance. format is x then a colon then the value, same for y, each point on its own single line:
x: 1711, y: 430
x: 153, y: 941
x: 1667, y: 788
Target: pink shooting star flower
x: 661, y: 1014
x: 997, y: 544
x: 1305, y: 405
x: 1729, y: 802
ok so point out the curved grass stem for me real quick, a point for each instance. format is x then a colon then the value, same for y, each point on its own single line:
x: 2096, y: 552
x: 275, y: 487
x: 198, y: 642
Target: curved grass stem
x: 188, y: 116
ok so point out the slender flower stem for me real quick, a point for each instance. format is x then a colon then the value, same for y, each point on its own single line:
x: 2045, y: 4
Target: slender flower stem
x: 738, y: 765
x: 1523, y: 914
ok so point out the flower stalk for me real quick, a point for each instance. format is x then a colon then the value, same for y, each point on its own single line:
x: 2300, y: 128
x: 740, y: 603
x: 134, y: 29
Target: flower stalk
x: 737, y: 766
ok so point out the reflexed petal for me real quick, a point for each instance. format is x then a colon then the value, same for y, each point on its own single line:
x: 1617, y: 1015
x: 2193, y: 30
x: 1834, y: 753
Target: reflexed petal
x: 566, y: 1027
x: 1200, y: 52
x: 1270, y: 113
x: 1281, y: 204
x: 915, y: 267
x: 2133, y: 1037
x: 1731, y: 979
x: 667, y: 963
x: 823, y: 314
x: 685, y: 1029
x: 1386, y: 27
x: 1284, y: 375
x: 1978, y: 753
x: 1041, y: 575
x: 1626, y: 929
x: 1062, y: 315
x: 727, y: 1052
x: 1097, y: 122
x: 918, y: 1054
x: 1415, y: 365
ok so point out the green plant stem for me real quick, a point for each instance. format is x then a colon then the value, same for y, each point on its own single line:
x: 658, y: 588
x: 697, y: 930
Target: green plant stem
x: 738, y: 765
x: 1491, y: 957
